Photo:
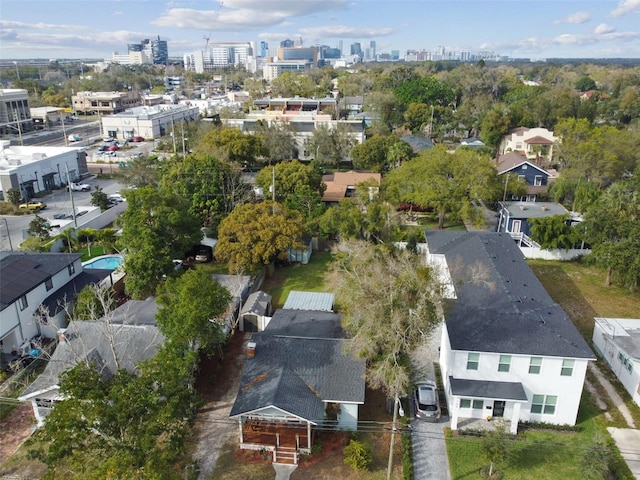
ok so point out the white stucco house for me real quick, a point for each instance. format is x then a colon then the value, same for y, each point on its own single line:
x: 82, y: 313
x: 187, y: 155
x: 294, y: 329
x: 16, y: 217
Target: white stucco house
x: 617, y: 340
x: 507, y: 350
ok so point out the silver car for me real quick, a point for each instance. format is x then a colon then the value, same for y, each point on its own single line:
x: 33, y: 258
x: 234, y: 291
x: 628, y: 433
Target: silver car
x: 427, y: 401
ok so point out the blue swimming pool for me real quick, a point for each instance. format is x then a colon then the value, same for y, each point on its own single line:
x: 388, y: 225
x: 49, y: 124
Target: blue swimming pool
x: 105, y: 262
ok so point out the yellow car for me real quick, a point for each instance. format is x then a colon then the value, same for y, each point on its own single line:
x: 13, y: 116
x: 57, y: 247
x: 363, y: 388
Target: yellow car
x: 34, y: 205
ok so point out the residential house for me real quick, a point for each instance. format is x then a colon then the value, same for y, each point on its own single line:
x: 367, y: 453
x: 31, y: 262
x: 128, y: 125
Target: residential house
x: 617, y: 340
x: 417, y: 143
x: 536, y: 144
x: 29, y: 281
x: 299, y: 376
x: 255, y: 313
x: 515, y: 217
x: 507, y: 351
x: 472, y: 142
x: 343, y: 184
x: 122, y: 339
x: 352, y: 105
x: 537, y: 178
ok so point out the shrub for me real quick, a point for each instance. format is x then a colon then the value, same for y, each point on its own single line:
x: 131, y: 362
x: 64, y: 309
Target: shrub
x: 407, y: 457
x: 357, y: 455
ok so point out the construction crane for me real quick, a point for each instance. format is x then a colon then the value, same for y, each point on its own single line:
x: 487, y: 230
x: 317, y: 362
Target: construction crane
x: 206, y: 41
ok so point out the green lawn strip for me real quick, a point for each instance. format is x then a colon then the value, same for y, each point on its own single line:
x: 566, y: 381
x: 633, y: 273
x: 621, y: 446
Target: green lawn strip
x: 308, y: 278
x: 96, y: 251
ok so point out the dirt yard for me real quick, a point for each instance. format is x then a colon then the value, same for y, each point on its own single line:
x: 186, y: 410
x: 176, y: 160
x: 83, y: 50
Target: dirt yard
x: 14, y: 430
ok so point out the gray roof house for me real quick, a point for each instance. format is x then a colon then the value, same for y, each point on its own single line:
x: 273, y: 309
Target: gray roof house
x: 31, y: 280
x: 299, y: 375
x: 508, y: 350
x: 109, y: 345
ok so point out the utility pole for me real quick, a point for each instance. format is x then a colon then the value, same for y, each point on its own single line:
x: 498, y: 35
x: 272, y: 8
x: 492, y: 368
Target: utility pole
x: 273, y: 189
x: 19, y: 125
x: 6, y: 226
x: 64, y: 132
x: 73, y: 205
x: 394, y: 429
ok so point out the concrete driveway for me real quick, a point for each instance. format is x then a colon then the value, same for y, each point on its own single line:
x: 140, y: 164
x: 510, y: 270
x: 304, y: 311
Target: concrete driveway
x: 627, y: 440
x: 430, y: 459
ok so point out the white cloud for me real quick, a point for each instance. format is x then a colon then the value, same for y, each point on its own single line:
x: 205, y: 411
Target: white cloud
x: 603, y: 28
x: 245, y: 15
x: 344, y: 31
x: 37, y: 26
x: 576, y: 18
x: 626, y: 7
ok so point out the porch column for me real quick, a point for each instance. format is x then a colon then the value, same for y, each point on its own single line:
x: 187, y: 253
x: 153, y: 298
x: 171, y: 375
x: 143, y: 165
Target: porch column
x: 309, y: 435
x: 454, y: 413
x: 241, y: 435
x: 515, y: 417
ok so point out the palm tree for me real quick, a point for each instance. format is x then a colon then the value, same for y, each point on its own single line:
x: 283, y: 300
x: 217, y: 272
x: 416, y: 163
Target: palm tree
x: 69, y: 239
x: 87, y: 235
x: 107, y: 237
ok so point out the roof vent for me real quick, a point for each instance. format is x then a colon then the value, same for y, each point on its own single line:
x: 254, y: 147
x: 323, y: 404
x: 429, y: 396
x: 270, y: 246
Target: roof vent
x: 251, y: 349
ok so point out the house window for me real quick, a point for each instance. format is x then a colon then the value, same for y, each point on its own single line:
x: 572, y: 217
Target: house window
x: 504, y: 363
x: 72, y: 268
x: 472, y: 361
x: 567, y: 367
x: 465, y: 403
x: 535, y: 365
x: 478, y: 404
x: 545, y: 404
x: 519, y: 145
x: 524, y: 167
x: 538, y: 181
x: 48, y: 283
x: 23, y: 302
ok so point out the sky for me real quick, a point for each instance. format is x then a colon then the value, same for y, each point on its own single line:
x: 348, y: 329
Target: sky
x: 536, y: 29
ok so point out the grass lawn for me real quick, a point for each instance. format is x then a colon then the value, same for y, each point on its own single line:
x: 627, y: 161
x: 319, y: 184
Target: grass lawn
x: 309, y: 278
x: 96, y: 251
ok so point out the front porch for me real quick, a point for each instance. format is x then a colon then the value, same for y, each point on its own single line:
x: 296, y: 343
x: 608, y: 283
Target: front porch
x: 286, y: 440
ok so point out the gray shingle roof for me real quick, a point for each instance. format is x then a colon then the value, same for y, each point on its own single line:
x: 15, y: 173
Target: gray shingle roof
x: 258, y: 302
x: 487, y: 389
x: 305, y: 323
x: 297, y: 375
x: 20, y: 272
x: 501, y: 307
x: 56, y: 301
x: 93, y: 341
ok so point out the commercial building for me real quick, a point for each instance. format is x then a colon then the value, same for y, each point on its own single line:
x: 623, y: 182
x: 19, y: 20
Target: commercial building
x: 33, y: 170
x: 106, y: 103
x: 221, y: 55
x: 147, y: 121
x: 15, y: 114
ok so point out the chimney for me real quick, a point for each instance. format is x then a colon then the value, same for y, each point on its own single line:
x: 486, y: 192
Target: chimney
x: 251, y: 349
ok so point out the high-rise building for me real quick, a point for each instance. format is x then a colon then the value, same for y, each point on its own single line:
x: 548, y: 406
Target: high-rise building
x: 220, y: 55
x: 264, y: 49
x: 340, y: 47
x: 286, y: 43
x: 395, y: 54
x: 372, y: 48
x: 356, y: 49
x: 160, y: 52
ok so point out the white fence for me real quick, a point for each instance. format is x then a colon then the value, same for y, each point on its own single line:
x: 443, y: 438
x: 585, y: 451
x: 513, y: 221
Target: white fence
x: 556, y: 254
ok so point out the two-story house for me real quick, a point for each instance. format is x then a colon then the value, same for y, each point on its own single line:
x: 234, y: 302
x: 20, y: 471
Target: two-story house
x: 507, y: 350
x: 29, y: 280
x: 537, y: 178
x: 536, y: 144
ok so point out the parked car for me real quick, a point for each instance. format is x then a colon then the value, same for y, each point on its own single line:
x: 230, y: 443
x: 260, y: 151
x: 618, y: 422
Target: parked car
x: 137, y: 139
x: 116, y: 197
x: 203, y: 253
x: 427, y: 401
x: 103, y: 148
x: 106, y: 153
x: 108, y: 139
x: 113, y: 148
x: 80, y: 187
x: 74, y: 138
x: 33, y: 205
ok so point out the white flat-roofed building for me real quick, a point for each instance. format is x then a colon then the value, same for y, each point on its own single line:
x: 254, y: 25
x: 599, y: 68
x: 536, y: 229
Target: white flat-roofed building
x: 36, y: 169
x: 147, y: 122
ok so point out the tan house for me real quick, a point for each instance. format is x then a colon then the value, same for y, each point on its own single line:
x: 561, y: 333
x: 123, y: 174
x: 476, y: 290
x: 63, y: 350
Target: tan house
x: 106, y: 103
x: 343, y: 184
x: 536, y: 144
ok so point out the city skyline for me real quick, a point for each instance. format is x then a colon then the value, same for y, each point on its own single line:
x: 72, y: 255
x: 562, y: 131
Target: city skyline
x: 516, y: 29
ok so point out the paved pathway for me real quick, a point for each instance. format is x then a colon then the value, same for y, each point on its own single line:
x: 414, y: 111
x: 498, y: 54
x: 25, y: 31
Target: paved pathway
x: 628, y: 442
x: 613, y: 394
x: 430, y: 459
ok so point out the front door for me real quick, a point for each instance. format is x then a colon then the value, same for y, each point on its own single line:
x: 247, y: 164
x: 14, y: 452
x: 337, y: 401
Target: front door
x: 498, y: 408
x: 515, y: 226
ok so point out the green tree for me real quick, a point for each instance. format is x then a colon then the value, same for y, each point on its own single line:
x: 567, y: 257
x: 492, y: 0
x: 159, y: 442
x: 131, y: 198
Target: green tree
x: 290, y: 178
x: 389, y: 303
x: 192, y: 308
x: 212, y: 186
x: 331, y: 146
x: 257, y: 234
x: 87, y: 236
x: 142, y: 172
x: 373, y: 153
x: 39, y: 228
x: 585, y: 83
x: 553, y: 232
x: 495, y: 447
x: 157, y: 227
x: 290, y: 84
x: 93, y: 302
x: 612, y: 228
x: 99, y: 198
x: 447, y: 182
x: 427, y: 90
x: 14, y: 195
x: 495, y: 125
x: 233, y: 145
x: 278, y: 140
x: 357, y: 455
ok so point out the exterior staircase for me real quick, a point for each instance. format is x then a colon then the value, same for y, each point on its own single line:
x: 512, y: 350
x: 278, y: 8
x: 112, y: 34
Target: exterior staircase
x: 285, y: 455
